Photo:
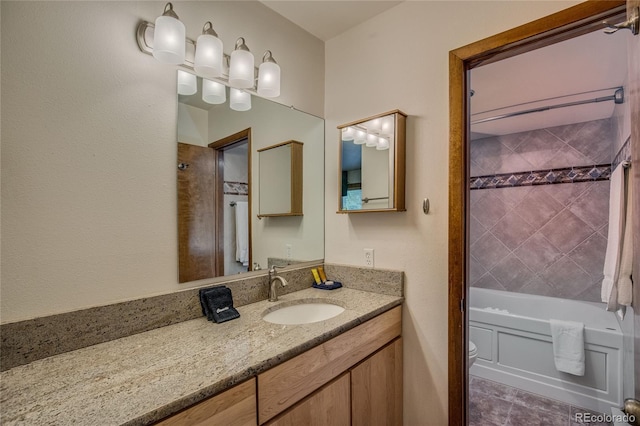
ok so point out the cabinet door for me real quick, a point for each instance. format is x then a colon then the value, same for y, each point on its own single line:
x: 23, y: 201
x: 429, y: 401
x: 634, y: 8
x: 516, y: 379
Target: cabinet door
x: 233, y: 407
x: 376, y: 384
x: 328, y: 406
x: 280, y: 180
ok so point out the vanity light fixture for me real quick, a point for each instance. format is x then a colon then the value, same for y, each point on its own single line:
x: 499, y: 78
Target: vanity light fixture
x: 166, y: 41
x: 213, y: 92
x: 169, y: 38
x: 241, y: 66
x: 269, y: 76
x: 187, y: 83
x: 209, y: 54
x: 239, y: 100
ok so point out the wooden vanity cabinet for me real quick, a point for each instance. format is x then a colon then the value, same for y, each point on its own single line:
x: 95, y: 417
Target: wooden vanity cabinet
x: 353, y: 379
x: 376, y: 388
x: 285, y: 385
x: 328, y: 406
x: 233, y: 407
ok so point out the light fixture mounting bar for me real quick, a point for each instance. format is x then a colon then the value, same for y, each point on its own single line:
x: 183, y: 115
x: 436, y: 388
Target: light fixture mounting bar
x: 144, y: 37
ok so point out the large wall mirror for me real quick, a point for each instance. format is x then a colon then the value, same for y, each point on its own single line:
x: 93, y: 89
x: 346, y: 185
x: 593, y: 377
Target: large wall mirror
x: 372, y: 164
x: 220, y: 233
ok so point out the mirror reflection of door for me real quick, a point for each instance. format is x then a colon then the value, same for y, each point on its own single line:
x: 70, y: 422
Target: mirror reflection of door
x: 214, y: 207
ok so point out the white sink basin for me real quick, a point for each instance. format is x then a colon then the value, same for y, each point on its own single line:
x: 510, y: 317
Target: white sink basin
x: 303, y: 313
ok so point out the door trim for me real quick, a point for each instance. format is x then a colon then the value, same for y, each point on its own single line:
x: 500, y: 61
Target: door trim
x: 566, y: 24
x: 219, y: 147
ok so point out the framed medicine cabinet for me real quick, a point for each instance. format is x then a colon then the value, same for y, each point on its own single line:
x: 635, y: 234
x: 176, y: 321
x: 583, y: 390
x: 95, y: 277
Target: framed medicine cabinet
x: 280, y: 180
x: 372, y: 164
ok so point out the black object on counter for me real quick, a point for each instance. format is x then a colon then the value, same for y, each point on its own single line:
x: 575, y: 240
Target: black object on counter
x: 217, y: 304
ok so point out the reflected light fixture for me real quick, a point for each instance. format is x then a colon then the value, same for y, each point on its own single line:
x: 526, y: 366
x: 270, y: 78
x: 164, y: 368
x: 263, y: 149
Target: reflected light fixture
x: 386, y: 126
x: 269, y: 76
x: 374, y: 125
x: 169, y: 38
x: 383, y: 143
x: 241, y: 66
x: 239, y: 100
x: 187, y: 83
x: 209, y: 54
x: 360, y: 137
x: 213, y: 92
x: 347, y: 134
x: 372, y: 140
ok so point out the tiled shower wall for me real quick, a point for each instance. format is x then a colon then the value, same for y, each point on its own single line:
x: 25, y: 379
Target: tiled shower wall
x: 549, y: 239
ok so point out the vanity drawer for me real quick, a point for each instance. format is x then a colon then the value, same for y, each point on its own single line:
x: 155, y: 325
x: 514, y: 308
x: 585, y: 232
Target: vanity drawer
x: 233, y: 407
x: 284, y: 385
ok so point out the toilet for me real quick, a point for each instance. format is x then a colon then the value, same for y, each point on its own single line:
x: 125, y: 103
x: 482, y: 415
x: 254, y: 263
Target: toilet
x: 473, y: 353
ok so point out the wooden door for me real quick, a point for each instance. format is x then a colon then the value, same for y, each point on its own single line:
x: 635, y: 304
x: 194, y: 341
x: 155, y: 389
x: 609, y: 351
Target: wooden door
x: 328, y: 406
x: 376, y: 388
x: 196, y: 213
x: 633, y: 60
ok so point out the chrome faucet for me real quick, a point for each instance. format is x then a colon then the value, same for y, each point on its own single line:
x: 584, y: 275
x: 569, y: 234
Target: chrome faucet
x: 273, y: 278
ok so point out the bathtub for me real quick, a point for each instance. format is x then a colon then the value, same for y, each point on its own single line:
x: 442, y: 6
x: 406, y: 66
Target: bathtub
x: 513, y: 337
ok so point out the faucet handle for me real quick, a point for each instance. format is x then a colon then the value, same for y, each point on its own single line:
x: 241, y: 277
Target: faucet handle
x: 273, y: 268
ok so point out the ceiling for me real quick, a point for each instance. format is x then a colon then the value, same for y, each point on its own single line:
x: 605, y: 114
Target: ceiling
x: 327, y: 19
x: 574, y: 70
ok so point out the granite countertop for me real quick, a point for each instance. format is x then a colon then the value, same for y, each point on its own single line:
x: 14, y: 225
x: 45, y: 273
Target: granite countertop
x: 145, y: 377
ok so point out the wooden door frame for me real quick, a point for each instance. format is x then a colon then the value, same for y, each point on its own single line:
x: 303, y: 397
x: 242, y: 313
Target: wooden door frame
x: 566, y: 24
x: 219, y: 147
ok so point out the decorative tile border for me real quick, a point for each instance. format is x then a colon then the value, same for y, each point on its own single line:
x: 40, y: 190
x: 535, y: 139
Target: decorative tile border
x: 236, y: 188
x: 542, y: 177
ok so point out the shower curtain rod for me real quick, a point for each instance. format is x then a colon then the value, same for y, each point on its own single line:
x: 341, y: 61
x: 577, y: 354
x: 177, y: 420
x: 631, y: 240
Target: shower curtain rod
x: 617, y: 97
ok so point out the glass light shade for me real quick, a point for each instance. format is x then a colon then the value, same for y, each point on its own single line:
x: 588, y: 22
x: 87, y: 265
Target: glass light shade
x: 383, y: 144
x: 386, y: 126
x: 213, y: 92
x: 208, y: 59
x: 187, y: 83
x: 169, y: 40
x: 347, y: 134
x: 360, y: 137
x: 269, y: 80
x: 373, y: 126
x: 372, y: 140
x: 239, y: 100
x: 241, y: 68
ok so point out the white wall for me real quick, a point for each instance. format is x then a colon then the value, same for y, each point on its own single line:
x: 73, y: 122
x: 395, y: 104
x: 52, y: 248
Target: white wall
x: 193, y: 125
x: 89, y: 145
x: 399, y: 59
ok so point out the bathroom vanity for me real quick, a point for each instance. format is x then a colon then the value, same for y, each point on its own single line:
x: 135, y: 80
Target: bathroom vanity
x: 299, y: 390
x: 245, y: 371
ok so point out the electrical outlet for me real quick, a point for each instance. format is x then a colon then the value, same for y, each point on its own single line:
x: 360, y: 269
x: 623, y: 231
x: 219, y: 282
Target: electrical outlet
x: 368, y: 258
x: 287, y: 251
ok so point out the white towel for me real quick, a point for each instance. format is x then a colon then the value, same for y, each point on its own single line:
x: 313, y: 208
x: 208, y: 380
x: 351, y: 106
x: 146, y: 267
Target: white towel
x: 242, y: 232
x: 616, y: 285
x: 624, y: 284
x: 609, y: 292
x: 568, y: 346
